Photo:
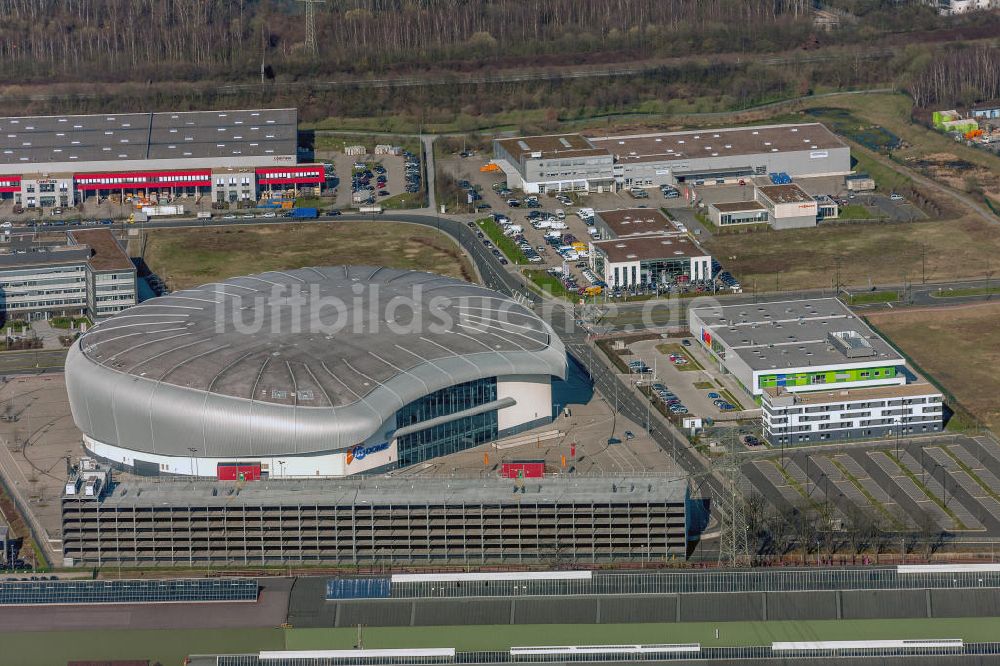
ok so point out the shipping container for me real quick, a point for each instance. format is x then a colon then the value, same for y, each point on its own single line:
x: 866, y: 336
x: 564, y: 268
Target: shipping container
x: 238, y: 471
x: 305, y: 213
x: 163, y: 210
x: 525, y: 469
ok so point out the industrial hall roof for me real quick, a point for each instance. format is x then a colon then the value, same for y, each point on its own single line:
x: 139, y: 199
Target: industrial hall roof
x: 113, y: 137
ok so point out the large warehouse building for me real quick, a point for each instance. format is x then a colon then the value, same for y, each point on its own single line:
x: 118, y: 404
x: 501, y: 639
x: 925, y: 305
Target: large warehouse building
x: 59, y: 161
x: 312, y: 372
x: 572, y: 162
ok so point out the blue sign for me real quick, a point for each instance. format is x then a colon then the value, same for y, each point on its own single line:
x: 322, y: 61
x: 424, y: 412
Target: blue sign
x: 360, y: 452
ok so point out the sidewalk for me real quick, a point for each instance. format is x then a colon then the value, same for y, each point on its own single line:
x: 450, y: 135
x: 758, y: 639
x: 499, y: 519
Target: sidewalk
x: 48, y: 335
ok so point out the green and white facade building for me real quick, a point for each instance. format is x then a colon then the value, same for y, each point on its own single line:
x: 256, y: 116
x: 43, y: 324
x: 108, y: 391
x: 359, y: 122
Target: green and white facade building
x: 788, y: 352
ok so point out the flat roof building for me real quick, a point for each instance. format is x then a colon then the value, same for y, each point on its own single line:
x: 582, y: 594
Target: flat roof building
x: 700, y: 157
x: 437, y: 520
x: 649, y: 260
x: 58, y: 161
x: 628, y: 222
x: 81, y: 272
x: 850, y: 413
x: 788, y: 206
x: 738, y: 212
x: 801, y: 345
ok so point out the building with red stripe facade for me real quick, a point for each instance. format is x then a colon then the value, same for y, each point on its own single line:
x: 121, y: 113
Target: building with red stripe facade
x: 230, y: 156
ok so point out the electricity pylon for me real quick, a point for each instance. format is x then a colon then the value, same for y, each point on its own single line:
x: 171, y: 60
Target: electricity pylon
x: 311, y: 25
x: 734, y: 538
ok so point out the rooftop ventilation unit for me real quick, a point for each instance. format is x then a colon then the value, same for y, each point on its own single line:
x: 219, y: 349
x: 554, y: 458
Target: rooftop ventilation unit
x: 850, y: 343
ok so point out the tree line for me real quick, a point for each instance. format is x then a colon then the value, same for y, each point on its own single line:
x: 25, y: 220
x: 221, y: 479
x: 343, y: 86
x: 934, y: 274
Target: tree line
x: 958, y: 77
x: 134, y: 40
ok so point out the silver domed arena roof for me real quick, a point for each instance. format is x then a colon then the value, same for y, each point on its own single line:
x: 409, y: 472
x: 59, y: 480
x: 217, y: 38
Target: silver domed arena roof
x: 295, y: 362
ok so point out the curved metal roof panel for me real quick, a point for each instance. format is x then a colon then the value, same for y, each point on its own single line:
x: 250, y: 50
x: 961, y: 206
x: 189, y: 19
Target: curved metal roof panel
x: 302, y: 361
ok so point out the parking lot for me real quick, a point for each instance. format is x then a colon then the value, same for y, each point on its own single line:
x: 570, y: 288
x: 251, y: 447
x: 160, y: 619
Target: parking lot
x: 681, y: 378
x: 558, y: 239
x: 372, y: 179
x: 943, y: 483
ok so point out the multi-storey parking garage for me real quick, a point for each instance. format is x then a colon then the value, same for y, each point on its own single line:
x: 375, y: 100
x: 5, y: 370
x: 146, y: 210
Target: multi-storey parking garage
x: 378, y: 520
x: 312, y: 372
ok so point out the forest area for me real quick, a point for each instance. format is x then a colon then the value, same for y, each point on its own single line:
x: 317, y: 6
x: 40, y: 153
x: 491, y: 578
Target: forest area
x: 93, y: 55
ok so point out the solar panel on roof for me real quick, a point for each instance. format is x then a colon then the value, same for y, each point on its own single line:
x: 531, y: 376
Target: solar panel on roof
x: 40, y: 593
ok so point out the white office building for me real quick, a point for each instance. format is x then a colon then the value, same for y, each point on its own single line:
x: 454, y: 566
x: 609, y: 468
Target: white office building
x: 857, y: 413
x: 85, y: 273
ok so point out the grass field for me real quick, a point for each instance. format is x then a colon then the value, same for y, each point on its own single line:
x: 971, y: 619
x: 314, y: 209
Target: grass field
x: 548, y: 283
x: 881, y: 253
x: 171, y: 646
x: 403, y: 200
x: 168, y: 647
x: 855, y: 212
x: 959, y: 347
x: 958, y: 248
x: 503, y: 243
x: 502, y: 637
x: 190, y: 257
x: 872, y: 297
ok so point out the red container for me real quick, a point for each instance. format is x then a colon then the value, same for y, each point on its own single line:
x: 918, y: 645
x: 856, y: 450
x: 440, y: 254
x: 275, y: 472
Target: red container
x: 528, y: 469
x: 238, y: 472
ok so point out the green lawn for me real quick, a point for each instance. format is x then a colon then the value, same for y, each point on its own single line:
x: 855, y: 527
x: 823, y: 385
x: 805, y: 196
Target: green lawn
x: 870, y: 297
x: 503, y: 243
x: 548, y: 283
x: 403, y: 200
x: 68, y: 322
x: 855, y: 212
x: 16, y: 326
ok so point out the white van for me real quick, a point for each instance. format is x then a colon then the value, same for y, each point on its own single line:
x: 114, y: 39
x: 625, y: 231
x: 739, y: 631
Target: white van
x: 560, y: 214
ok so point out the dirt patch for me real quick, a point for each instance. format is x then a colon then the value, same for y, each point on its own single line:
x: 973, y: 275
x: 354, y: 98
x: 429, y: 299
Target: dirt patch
x: 861, y: 254
x: 959, y: 347
x: 191, y: 257
x: 957, y: 173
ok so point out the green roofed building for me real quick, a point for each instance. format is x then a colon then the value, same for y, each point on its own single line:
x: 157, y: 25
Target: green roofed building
x: 818, y: 371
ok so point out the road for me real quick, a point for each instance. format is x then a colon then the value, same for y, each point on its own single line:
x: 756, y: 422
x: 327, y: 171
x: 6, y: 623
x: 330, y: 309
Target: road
x: 32, y: 361
x: 430, y: 170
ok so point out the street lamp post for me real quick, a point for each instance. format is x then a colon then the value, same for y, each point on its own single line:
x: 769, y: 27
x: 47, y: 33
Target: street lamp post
x: 944, y: 484
x: 192, y: 450
x: 899, y: 425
